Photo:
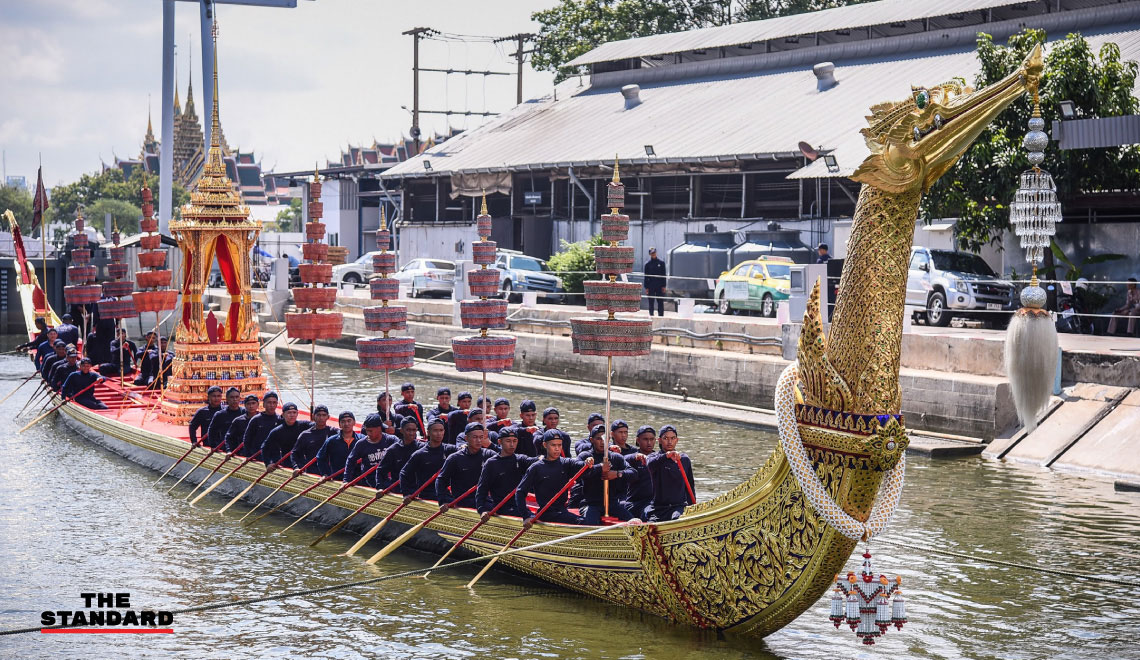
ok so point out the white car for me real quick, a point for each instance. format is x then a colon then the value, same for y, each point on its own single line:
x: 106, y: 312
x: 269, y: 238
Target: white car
x: 355, y: 272
x: 427, y: 276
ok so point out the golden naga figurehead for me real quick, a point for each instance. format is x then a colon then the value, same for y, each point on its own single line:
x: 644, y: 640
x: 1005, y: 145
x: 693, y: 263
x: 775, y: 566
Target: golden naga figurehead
x: 916, y: 141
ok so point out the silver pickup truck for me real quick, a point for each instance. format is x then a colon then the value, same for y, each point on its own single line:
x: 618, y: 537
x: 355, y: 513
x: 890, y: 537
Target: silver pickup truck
x: 943, y: 284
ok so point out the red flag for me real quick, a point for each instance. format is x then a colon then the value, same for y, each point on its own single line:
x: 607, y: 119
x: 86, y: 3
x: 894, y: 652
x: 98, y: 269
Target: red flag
x: 40, y: 201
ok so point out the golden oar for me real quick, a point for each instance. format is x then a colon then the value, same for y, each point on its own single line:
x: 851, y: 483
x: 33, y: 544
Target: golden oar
x: 193, y: 446
x: 526, y: 526
x: 296, y: 473
x: 35, y: 395
x: 268, y: 469
x: 197, y: 465
x: 224, y: 477
x: 22, y: 383
x: 57, y: 407
x: 352, y: 515
x: 330, y: 497
x: 482, y: 519
x: 403, y: 538
x: 217, y: 467
x: 277, y: 508
x: 380, y: 525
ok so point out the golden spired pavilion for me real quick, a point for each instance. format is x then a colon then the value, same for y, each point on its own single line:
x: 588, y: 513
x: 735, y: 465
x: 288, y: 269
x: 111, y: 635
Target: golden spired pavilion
x: 208, y: 350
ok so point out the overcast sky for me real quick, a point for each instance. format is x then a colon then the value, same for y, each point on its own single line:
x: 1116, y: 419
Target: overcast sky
x: 296, y: 84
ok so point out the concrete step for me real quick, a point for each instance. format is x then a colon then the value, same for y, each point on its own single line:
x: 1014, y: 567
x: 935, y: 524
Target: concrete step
x: 1112, y: 445
x: 1084, y: 406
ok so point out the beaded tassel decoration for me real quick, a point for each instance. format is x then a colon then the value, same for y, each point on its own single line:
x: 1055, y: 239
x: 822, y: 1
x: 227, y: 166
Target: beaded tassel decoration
x: 865, y: 604
x: 153, y: 293
x: 316, y: 275
x: 1031, y: 339
x: 385, y: 353
x: 483, y: 352
x: 117, y: 303
x: 81, y: 289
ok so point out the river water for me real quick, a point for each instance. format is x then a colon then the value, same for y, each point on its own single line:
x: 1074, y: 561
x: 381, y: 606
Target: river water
x: 75, y: 518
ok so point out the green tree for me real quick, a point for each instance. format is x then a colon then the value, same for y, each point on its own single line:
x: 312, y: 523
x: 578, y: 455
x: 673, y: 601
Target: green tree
x: 980, y: 187
x: 108, y: 184
x: 20, y: 202
x: 288, y: 218
x: 124, y: 215
x: 574, y: 264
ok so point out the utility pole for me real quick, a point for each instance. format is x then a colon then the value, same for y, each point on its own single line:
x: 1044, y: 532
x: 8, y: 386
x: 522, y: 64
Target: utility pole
x: 417, y: 34
x: 520, y: 58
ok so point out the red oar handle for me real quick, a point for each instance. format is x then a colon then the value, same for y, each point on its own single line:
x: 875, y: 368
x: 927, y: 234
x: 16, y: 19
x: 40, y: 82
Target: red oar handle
x: 589, y: 464
x: 685, y: 478
x: 493, y: 511
x: 413, y: 496
x: 356, y: 480
x: 322, y: 480
x: 464, y: 495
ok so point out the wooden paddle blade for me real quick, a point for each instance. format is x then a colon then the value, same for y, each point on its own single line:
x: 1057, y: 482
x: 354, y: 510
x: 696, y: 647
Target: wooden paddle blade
x: 391, y: 547
x: 236, y: 498
x: 367, y: 537
x: 482, y: 572
x: 210, y: 489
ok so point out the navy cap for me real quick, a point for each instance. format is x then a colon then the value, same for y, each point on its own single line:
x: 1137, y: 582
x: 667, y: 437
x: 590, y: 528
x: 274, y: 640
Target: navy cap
x: 599, y: 429
x: 407, y: 386
x: 473, y: 426
x: 85, y: 360
x: 320, y: 408
x: 71, y: 352
x: 288, y: 406
x: 434, y: 421
x: 667, y: 427
x: 501, y: 401
x: 213, y: 388
x: 67, y: 317
x: 527, y: 406
x: 59, y: 342
x: 463, y: 395
x: 404, y: 421
x: 508, y: 431
x: 550, y: 411
x: 373, y: 421
x: 443, y: 390
x: 618, y: 424
x: 270, y: 393
x: 233, y: 390
x: 346, y: 413
x: 647, y: 429
x: 594, y: 417
x: 554, y: 434
x: 250, y: 397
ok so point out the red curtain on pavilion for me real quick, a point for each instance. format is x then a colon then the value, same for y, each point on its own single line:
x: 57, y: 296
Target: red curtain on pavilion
x: 233, y: 286
x: 188, y: 269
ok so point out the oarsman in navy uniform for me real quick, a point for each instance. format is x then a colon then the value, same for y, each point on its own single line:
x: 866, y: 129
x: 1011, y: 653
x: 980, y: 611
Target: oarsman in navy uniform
x: 619, y: 437
x: 425, y: 462
x: 369, y: 451
x: 310, y: 441
x: 461, y: 470
x: 165, y: 363
x: 617, y: 472
x: 670, y: 497
x: 41, y: 336
x: 81, y: 379
x: 46, y: 348
x: 501, y: 475
x: 526, y: 429
x: 200, y: 422
x: 261, y: 424
x: 281, y: 439
x: 397, y: 455
x: 545, y: 479
x: 489, y: 439
x: 550, y: 418
x: 63, y: 369
x: 443, y: 404
x: 59, y: 354
x: 457, y: 419
x: 387, y: 416
x: 334, y: 453
x: 502, y: 415
x: 639, y: 494
x: 147, y: 359
x: 409, y: 407
x: 584, y: 444
x: 67, y: 331
x: 116, y: 358
x: 235, y: 432
x: 220, y: 422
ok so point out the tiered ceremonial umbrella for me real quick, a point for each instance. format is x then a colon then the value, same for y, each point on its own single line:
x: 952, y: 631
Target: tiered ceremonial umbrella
x: 116, y: 303
x: 483, y: 352
x: 385, y: 353
x: 612, y: 336
x: 81, y: 288
x: 314, y: 324
x: 153, y: 293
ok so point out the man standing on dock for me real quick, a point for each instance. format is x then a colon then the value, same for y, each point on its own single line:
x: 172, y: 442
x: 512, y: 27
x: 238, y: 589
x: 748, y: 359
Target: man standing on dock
x: 654, y: 270
x: 220, y: 422
x: 200, y: 422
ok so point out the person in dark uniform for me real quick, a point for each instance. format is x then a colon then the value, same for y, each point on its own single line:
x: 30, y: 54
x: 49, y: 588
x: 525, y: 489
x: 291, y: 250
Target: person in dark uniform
x: 461, y: 470
x: 112, y: 367
x: 59, y: 354
x: 369, y: 451
x: 457, y: 418
x: 200, y: 422
x: 489, y: 439
x: 619, y: 473
x: 311, y: 440
x: 425, y: 462
x: 261, y: 424
x: 639, y: 494
x: 397, y: 455
x: 220, y: 422
x: 619, y: 437
x: 409, y: 407
x: 545, y: 478
x: 654, y: 270
x: 41, y: 337
x: 670, y: 497
x: 147, y: 359
x: 45, y: 348
x: 550, y: 418
x: 63, y: 369
x: 822, y: 254
x: 67, y: 331
x: 501, y: 474
x: 443, y: 404
x: 502, y: 415
x: 79, y: 380
x: 283, y: 437
x: 524, y: 432
x: 235, y: 432
x: 387, y: 416
x: 584, y: 444
x: 334, y: 453
x: 167, y: 360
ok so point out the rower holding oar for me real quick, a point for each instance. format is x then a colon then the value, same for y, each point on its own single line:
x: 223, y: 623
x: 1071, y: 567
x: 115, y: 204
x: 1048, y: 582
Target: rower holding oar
x: 200, y: 422
x: 220, y: 422
x: 639, y: 494
x: 369, y: 451
x: 501, y: 475
x: 672, y: 474
x: 548, y: 479
x: 334, y: 453
x: 261, y: 424
x: 78, y: 386
x: 609, y: 467
x: 310, y: 441
x: 69, y: 399
x: 398, y: 455
x: 426, y: 461
x: 235, y: 434
x: 461, y: 470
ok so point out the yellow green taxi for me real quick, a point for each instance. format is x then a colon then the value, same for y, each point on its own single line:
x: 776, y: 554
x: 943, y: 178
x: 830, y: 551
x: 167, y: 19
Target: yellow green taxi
x: 755, y: 285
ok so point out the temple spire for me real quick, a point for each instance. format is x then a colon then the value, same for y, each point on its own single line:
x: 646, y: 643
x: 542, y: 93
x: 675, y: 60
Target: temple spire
x: 215, y: 124
x: 483, y: 208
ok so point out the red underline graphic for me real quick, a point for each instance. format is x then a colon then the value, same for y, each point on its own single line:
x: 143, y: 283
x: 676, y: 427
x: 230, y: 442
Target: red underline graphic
x: 107, y: 630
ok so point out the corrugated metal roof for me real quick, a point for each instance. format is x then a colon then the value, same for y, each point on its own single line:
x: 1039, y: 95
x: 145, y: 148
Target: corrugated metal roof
x: 851, y: 16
